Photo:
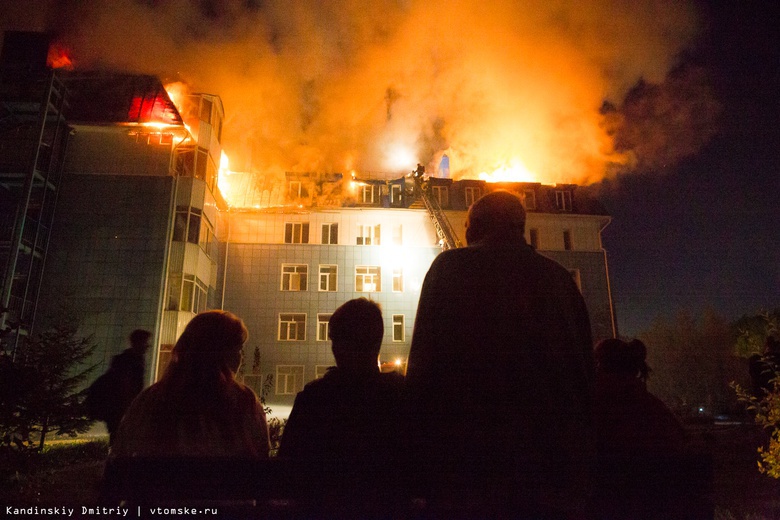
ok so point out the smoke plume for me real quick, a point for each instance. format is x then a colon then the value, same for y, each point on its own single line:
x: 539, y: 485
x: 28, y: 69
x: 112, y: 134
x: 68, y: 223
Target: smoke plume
x: 332, y: 86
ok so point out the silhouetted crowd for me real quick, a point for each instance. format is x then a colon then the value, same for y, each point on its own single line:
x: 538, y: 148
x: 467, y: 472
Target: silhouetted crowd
x: 504, y: 396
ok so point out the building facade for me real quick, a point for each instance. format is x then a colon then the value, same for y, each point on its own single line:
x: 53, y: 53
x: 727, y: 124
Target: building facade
x: 288, y: 268
x: 142, y: 238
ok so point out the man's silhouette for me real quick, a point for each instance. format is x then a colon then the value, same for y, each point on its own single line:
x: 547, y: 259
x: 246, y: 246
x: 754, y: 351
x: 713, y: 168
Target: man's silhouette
x: 500, y: 372
x: 352, y: 414
x: 126, y: 376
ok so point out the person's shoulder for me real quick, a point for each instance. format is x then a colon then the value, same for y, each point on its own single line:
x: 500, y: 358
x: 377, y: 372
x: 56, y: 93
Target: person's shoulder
x: 392, y: 379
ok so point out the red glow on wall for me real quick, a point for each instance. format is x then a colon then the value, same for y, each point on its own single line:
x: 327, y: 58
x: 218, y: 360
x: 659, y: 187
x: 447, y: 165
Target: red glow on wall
x: 59, y: 57
x: 152, y: 108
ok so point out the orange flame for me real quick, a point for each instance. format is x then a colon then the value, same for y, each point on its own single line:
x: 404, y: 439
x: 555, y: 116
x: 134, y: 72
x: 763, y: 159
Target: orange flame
x: 59, y: 57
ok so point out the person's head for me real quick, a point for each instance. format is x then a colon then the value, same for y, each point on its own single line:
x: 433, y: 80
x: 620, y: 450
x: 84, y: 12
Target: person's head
x: 210, y: 345
x: 139, y: 339
x: 615, y: 356
x: 497, y: 215
x: 356, y: 330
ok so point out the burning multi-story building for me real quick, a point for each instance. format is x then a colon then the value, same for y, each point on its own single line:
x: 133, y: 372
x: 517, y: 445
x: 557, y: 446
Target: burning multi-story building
x: 142, y: 237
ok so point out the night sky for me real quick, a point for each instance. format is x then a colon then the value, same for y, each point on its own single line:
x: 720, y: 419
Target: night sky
x: 706, y: 232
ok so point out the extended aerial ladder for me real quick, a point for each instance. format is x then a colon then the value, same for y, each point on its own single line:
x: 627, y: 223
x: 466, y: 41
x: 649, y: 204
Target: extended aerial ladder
x: 447, y: 237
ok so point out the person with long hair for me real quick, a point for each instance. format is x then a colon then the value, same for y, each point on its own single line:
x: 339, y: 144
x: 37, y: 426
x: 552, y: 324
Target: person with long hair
x: 198, y: 408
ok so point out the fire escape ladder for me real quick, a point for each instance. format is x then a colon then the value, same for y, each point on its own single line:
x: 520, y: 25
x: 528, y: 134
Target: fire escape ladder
x: 447, y: 237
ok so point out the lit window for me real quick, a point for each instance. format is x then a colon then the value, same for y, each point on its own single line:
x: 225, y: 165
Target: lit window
x: 294, y: 190
x: 292, y: 327
x: 328, y: 277
x: 320, y: 370
x: 473, y: 194
x: 398, y: 279
x: 330, y: 233
x: 193, y: 294
x: 533, y: 235
x: 323, y: 321
x: 296, y: 233
x: 289, y: 379
x: 368, y: 278
x: 563, y: 200
x: 396, y: 193
x: 369, y: 193
x: 368, y: 235
x: 399, y: 331
x: 442, y: 195
x: 567, y: 240
x: 295, y: 277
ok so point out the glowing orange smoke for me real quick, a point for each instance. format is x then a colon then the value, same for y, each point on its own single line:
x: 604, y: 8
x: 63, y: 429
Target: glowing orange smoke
x: 59, y: 57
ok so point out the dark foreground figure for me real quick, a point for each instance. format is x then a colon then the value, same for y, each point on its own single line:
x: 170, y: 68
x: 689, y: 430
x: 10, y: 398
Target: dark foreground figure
x: 350, y: 420
x: 500, y: 373
x: 110, y: 396
x: 198, y: 409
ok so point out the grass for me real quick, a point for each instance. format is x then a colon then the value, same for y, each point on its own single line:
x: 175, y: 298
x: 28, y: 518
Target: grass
x: 64, y: 473
x: 68, y: 473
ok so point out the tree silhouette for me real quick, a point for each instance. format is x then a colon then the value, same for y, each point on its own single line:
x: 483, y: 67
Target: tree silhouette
x: 51, y: 364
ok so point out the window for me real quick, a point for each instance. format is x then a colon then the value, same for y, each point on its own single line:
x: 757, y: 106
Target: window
x: 328, y: 277
x: 330, y: 233
x: 289, y: 379
x: 296, y: 233
x: 201, y: 163
x: 319, y: 370
x: 398, y: 235
x: 193, y: 294
x: 207, y: 240
x: 473, y: 194
x: 442, y: 195
x: 575, y: 274
x: 368, y: 278
x: 186, y: 226
x: 294, y: 189
x: 396, y: 194
x: 295, y: 277
x: 533, y: 235
x: 563, y: 200
x: 398, y: 327
x: 292, y: 327
x: 529, y: 198
x: 368, y: 235
x: 370, y: 193
x: 567, y: 240
x: 174, y: 291
x: 398, y: 279
x: 322, y: 326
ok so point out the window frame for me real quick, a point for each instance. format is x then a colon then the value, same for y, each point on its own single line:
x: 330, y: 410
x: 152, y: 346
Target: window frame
x: 399, y: 323
x: 330, y: 233
x: 290, y: 275
x: 300, y: 326
x: 563, y: 200
x: 297, y: 386
x: 398, y: 276
x: 377, y: 277
x: 323, y: 326
x: 293, y: 232
x: 368, y: 235
x: 327, y: 276
x: 472, y: 192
